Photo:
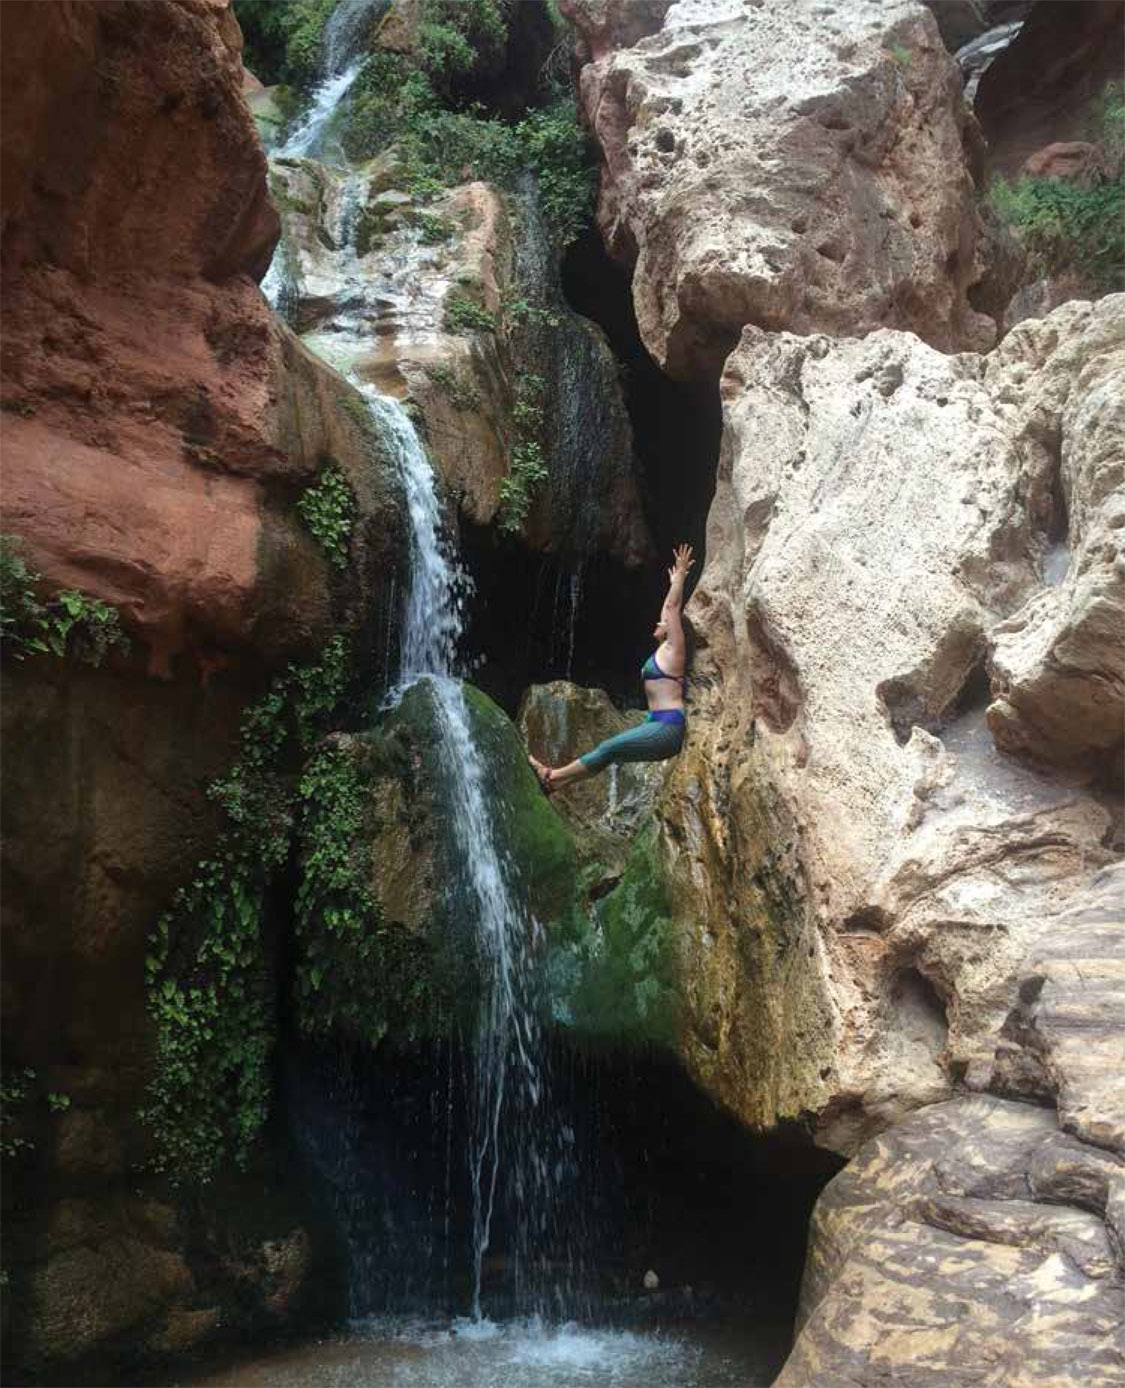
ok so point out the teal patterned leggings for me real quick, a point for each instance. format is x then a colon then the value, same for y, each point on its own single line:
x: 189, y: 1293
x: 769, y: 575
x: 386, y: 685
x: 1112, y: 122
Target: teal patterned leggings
x: 651, y: 740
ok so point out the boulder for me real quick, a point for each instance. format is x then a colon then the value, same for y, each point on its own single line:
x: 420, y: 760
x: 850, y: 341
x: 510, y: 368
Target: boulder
x: 127, y: 145
x: 1066, y: 161
x: 793, y: 169
x: 973, y: 1244
x: 859, y: 866
x: 559, y: 721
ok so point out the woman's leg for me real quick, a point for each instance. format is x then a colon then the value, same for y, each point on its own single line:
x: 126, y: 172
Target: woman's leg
x: 646, y: 742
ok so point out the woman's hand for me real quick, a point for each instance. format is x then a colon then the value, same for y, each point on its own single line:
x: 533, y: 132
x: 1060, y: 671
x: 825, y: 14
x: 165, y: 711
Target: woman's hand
x: 683, y: 562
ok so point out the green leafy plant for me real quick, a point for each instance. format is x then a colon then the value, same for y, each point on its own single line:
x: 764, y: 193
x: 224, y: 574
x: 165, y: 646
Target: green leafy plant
x: 208, y: 976
x: 329, y: 510
x: 456, y: 36
x: 518, y: 311
x: 462, y: 314
x: 527, y: 465
x: 69, y: 624
x: 284, y: 38
x: 397, y: 103
x: 434, y: 229
x: 1066, y: 227
x: 14, y: 1089
x: 457, y: 388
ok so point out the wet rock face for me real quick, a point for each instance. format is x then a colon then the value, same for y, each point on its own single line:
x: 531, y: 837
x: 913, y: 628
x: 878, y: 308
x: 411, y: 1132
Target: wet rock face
x: 126, y: 144
x: 860, y: 867
x: 560, y: 721
x: 972, y: 1243
x: 789, y: 168
x: 452, y: 305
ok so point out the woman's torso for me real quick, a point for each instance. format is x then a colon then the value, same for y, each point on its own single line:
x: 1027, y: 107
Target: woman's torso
x: 664, y: 691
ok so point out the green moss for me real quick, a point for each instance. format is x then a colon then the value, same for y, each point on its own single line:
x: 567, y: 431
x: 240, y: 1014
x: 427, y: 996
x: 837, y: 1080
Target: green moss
x: 456, y: 387
x: 611, y: 970
x: 527, y: 465
x: 537, y: 842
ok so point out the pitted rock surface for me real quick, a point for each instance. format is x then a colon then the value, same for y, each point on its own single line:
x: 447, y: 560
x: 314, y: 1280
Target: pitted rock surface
x: 861, y: 869
x: 789, y: 165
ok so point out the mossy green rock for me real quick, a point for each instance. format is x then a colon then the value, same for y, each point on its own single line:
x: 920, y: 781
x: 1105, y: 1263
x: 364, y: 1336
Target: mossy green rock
x: 396, y: 954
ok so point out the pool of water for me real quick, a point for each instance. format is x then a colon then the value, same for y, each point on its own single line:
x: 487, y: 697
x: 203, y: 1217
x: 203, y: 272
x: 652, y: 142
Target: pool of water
x: 405, y: 1353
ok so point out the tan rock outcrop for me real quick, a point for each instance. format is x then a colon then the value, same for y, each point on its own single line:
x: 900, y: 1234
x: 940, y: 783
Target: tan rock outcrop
x: 788, y: 165
x: 973, y: 1244
x: 860, y: 872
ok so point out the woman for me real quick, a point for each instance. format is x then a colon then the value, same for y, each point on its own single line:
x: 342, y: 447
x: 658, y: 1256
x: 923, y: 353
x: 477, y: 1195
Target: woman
x: 661, y: 735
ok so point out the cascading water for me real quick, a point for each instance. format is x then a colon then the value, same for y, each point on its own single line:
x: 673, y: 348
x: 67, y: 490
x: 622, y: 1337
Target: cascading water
x: 517, y: 1151
x: 514, y: 1138
x: 586, y: 426
x: 341, y: 65
x: 390, y: 1158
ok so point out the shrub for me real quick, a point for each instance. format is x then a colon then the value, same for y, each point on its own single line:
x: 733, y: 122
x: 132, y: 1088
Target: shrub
x: 329, y: 510
x: 69, y: 624
x: 1067, y: 228
x: 209, y: 988
x: 455, y: 36
x: 284, y: 39
x: 462, y: 314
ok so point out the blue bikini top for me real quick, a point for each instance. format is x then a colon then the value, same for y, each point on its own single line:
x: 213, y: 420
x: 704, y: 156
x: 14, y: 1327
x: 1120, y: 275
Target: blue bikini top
x: 651, y: 671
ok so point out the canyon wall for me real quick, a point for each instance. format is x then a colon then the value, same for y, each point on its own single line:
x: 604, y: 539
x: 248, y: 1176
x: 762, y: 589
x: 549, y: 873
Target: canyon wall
x: 159, y: 427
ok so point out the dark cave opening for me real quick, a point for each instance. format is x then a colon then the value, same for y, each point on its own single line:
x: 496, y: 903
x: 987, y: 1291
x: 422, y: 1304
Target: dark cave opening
x: 676, y: 424
x: 663, y: 1181
x: 538, y: 617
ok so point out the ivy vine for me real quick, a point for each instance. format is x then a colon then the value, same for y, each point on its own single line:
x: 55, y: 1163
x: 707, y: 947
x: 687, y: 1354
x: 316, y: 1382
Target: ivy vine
x: 209, y: 990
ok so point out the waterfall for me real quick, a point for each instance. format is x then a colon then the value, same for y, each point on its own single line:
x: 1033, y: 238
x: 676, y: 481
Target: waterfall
x: 513, y: 1138
x: 519, y: 1156
x: 433, y: 604
x: 308, y: 135
x: 346, y: 27
x: 586, y: 426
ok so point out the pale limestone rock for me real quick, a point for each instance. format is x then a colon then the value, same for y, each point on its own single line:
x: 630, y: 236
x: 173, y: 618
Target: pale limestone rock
x: 859, y: 873
x: 789, y: 164
x: 1058, y: 660
x: 1065, y: 1037
x: 973, y: 1244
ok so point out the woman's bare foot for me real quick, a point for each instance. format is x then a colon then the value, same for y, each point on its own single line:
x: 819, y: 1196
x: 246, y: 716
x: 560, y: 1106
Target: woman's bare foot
x: 542, y: 773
